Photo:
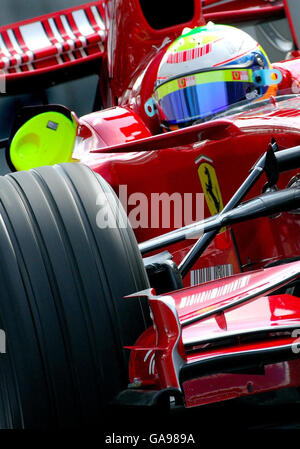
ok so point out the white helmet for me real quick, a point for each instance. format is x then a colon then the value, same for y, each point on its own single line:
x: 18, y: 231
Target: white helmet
x: 209, y: 68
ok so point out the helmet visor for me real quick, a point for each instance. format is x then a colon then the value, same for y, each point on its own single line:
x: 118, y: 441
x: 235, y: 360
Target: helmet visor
x: 199, y: 95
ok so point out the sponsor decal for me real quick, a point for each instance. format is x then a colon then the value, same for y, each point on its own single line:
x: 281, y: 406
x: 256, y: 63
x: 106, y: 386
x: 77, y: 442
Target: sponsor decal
x: 182, y: 83
x: 188, y: 55
x: 217, y: 292
x: 210, y: 273
x: 35, y: 42
x: 238, y: 75
x: 186, y: 81
x: 151, y: 361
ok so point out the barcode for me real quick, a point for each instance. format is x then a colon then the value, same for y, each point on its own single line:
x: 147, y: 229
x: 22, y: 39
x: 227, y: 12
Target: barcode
x: 210, y: 273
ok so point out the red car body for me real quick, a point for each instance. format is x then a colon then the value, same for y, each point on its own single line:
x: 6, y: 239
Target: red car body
x: 203, y: 343
x: 183, y: 356
x: 170, y: 162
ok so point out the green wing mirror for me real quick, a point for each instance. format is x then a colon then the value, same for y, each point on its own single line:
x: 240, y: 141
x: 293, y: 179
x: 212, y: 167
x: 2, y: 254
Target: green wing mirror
x: 42, y: 135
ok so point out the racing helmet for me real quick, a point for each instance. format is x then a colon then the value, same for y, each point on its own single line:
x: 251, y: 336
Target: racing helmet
x: 206, y: 70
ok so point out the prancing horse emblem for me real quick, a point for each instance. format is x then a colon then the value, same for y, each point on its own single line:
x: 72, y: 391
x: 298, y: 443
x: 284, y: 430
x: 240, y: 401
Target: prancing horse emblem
x: 210, y: 190
x: 210, y: 185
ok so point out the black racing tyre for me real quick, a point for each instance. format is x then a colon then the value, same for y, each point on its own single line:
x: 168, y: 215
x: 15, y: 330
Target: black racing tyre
x: 62, y: 282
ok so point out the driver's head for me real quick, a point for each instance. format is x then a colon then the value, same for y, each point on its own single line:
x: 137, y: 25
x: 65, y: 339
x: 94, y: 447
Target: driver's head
x: 208, y: 69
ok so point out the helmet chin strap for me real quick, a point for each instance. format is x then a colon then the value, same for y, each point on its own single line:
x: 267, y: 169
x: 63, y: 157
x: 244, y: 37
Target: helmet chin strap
x: 267, y: 77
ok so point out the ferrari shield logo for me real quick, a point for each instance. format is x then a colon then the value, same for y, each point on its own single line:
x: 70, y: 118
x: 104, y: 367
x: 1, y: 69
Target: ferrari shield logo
x: 182, y: 83
x: 210, y: 187
x: 236, y: 76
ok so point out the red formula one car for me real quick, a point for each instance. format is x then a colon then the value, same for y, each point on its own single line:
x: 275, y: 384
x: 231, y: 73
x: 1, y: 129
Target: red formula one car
x: 209, y: 183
